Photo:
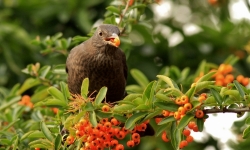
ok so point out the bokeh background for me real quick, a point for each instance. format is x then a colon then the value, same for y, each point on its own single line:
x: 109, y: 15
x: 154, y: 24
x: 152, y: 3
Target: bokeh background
x: 178, y: 33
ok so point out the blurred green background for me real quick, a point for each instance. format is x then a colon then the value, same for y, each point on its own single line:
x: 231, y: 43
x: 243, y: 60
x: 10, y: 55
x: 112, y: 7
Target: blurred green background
x: 169, y: 32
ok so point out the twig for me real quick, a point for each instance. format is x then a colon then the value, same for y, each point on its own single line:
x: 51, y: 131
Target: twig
x: 124, y: 12
x: 226, y: 110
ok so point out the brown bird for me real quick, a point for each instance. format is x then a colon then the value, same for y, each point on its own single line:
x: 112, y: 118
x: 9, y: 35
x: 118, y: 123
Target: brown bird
x: 99, y: 59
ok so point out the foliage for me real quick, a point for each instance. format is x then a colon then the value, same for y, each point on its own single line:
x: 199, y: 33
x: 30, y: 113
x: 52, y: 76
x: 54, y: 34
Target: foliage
x: 49, y: 114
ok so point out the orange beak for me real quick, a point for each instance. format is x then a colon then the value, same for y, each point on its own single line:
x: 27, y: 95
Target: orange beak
x: 114, y: 40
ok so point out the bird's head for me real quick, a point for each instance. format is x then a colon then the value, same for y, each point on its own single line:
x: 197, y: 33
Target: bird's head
x: 107, y: 34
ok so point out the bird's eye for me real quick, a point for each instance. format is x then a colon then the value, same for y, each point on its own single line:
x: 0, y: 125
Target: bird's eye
x: 100, y: 33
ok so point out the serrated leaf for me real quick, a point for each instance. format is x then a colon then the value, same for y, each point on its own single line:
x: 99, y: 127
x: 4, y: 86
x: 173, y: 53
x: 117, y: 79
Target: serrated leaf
x: 120, y: 118
x: 102, y: 114
x: 92, y: 118
x: 140, y: 78
x: 113, y: 9
x: 167, y: 106
x: 124, y: 108
x: 100, y: 96
x: 85, y: 87
x: 130, y: 123
x: 239, y: 88
x: 167, y: 120
x: 56, y: 93
x: 217, y: 96
x: 131, y: 97
x: 184, y: 121
x: 167, y: 80
x: 46, y: 131
x: 148, y: 93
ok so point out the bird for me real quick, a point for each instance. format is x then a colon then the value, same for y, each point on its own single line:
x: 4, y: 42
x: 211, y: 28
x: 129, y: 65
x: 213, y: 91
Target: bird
x: 102, y: 61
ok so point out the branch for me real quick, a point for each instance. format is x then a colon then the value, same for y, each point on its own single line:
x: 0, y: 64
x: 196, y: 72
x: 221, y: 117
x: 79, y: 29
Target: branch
x: 124, y: 12
x: 226, y: 110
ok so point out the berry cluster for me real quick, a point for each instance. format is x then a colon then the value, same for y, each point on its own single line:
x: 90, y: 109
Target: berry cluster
x: 105, y: 135
x: 26, y: 101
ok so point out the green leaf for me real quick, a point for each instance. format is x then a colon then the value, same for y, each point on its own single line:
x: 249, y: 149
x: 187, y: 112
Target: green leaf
x: 9, y: 125
x: 40, y: 95
x: 152, y: 114
x: 203, y: 85
x: 184, y: 121
x: 58, y: 141
x: 131, y: 97
x: 130, y: 123
x: 89, y: 107
x: 169, y: 81
x: 191, y: 91
x: 59, y: 69
x: 200, y: 124
x: 15, y: 142
x: 239, y: 88
x: 51, y: 102
x: 149, y: 93
x: 113, y: 9
x: 217, y: 96
x: 120, y: 118
x: 65, y: 91
x: 142, y: 107
x: 41, y: 143
x: 102, y: 114
x: 124, y: 108
x: 44, y: 71
x: 134, y: 89
x: 167, y: 120
x: 233, y: 93
x: 206, y: 76
x: 85, y: 87
x: 56, y: 93
x: 162, y: 97
x: 92, y: 118
x: 167, y: 106
x: 140, y: 78
x: 9, y: 102
x: 100, y: 96
x: 173, y: 91
x: 46, y: 131
x: 32, y: 134
x: 137, y: 6
x: 247, y: 121
x: 162, y: 128
x: 28, y: 83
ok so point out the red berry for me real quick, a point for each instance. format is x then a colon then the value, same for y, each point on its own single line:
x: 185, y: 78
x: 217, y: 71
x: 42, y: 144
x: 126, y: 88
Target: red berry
x: 186, y: 132
x: 189, y: 139
x: 114, y: 122
x: 130, y: 143
x: 164, y: 137
x: 191, y: 124
x: 119, y: 147
x: 135, y: 136
x: 114, y: 143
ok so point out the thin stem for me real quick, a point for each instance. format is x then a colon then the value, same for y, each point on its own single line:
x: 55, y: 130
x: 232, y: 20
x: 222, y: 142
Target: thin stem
x: 124, y: 12
x: 226, y: 110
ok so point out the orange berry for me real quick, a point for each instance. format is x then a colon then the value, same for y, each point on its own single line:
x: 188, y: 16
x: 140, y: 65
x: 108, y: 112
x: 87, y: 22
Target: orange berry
x: 204, y: 94
x: 70, y: 140
x: 135, y: 136
x: 137, y: 141
x: 37, y: 148
x: 114, y: 143
x: 229, y: 77
x: 188, y: 106
x: 171, y: 113
x: 183, y: 144
x: 105, y: 108
x: 186, y: 132
x: 164, y: 137
x: 199, y: 114
x: 79, y: 133
x: 165, y: 113
x: 130, y: 143
x: 141, y: 127
x: 201, y: 99
x: 103, y: 120
x: 191, y: 124
x: 178, y: 101
x: 189, y: 139
x: 181, y: 110
x: 130, y: 2
x: 245, y: 81
x: 184, y: 99
x: 228, y: 69
x: 219, y: 82
x: 107, y: 125
x: 239, y: 78
x: 119, y: 147
x: 157, y: 120
x: 177, y: 115
x: 195, y: 128
x: 219, y: 77
x: 114, y: 121
x: 121, y: 135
